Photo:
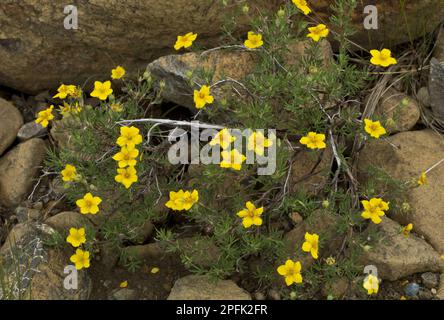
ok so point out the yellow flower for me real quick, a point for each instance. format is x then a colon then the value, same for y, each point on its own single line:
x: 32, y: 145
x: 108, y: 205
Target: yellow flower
x: 76, y: 237
x: 67, y: 109
x: 127, y: 157
x: 118, y: 73
x: 314, y: 140
x: 257, y: 142
x: 76, y: 92
x: 116, y: 107
x: 203, y: 97
x: 406, y: 230
x: 181, y: 200
x: 126, y: 176
x: 374, y: 129
x: 311, y: 244
x: 232, y: 159
x: 254, y: 40
x: 330, y: 261
x: 80, y: 259
x: 65, y: 91
x: 223, y: 138
x: 291, y: 271
x: 155, y: 270
x: 374, y: 209
x: 371, y: 284
x: 45, y: 116
x: 102, y: 90
x: 382, y: 58
x: 123, y: 284
x: 185, y: 41
x: 69, y: 173
x: 251, y: 215
x: 318, y: 32
x: 89, y: 204
x: 302, y: 5
x: 422, y: 179
x: 403, y: 298
x: 129, y: 137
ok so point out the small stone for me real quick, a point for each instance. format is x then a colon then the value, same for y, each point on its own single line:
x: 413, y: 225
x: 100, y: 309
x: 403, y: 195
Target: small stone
x: 31, y: 130
x: 296, y: 217
x: 274, y: 294
x: 433, y: 291
x: 196, y: 287
x: 124, y: 294
x: 423, y: 96
x: 259, y: 296
x: 412, y: 289
x: 10, y: 122
x: 430, y: 280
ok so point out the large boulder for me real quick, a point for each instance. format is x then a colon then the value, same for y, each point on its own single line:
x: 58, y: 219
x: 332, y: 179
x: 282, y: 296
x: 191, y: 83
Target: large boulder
x: 397, y: 256
x: 203, y: 288
x: 10, y: 122
x: 18, y: 168
x: 32, y: 271
x: 404, y: 157
x: 134, y: 32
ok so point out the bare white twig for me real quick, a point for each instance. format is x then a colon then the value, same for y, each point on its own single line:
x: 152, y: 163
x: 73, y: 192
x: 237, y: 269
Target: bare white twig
x: 173, y: 123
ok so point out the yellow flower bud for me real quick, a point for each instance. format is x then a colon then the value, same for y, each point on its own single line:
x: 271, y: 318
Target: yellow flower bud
x: 245, y: 9
x: 281, y: 13
x: 325, y: 204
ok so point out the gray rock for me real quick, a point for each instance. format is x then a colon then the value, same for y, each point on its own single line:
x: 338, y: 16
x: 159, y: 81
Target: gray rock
x: 18, y: 168
x: 31, y: 130
x: 397, y: 256
x: 430, y: 280
x: 10, y: 122
x: 124, y: 294
x: 203, y: 288
x: 436, y: 89
x: 423, y: 96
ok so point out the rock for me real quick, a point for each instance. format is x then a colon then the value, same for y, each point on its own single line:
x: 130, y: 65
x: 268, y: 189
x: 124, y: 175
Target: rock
x: 416, y: 152
x: 440, y: 293
x: 337, y: 289
x: 273, y: 294
x: 142, y: 33
x: 412, y: 289
x: 148, y: 252
x: 31, y: 130
x: 423, y: 96
x: 430, y: 280
x: 109, y: 256
x: 24, y: 214
x: 174, y: 70
x: 401, y: 110
x: 322, y: 223
x: 438, y: 54
x: 425, y: 294
x: 63, y: 221
x: 201, y: 252
x: 10, y: 122
x: 296, y: 218
x: 202, y: 288
x: 34, y: 272
x: 124, y: 294
x: 397, y: 256
x: 18, y: 168
x: 436, y: 89
x: 310, y: 170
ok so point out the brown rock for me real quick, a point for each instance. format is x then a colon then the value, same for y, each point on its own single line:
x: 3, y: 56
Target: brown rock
x: 135, y: 32
x: 18, y: 168
x: 338, y: 288
x: 63, y: 221
x: 202, y: 288
x: 415, y: 152
x: 397, y: 256
x: 10, y: 122
x: 310, y: 171
x: 401, y: 111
